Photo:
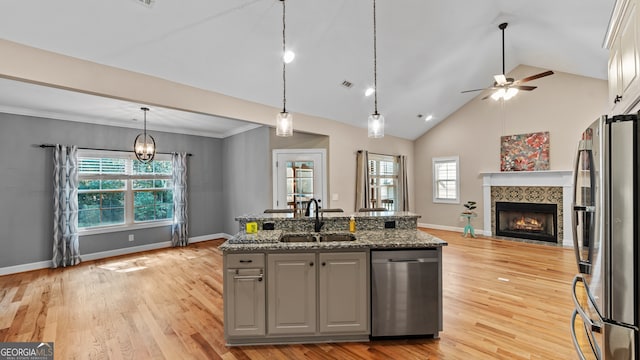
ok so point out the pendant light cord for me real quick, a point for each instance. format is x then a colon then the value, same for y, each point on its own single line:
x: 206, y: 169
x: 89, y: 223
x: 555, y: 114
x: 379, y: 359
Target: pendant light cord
x: 284, y: 63
x: 144, y: 109
x: 375, y: 62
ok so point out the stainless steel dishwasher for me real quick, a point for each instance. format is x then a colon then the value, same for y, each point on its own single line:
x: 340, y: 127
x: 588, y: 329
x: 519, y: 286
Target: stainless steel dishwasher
x: 406, y: 292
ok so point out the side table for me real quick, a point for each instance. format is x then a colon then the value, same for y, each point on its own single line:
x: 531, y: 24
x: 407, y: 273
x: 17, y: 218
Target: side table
x: 468, y: 229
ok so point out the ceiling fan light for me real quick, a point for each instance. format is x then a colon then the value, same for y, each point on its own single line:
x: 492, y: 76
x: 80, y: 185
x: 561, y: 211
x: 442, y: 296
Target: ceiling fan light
x: 511, y: 92
x: 284, y: 124
x: 498, y: 94
x: 375, y: 126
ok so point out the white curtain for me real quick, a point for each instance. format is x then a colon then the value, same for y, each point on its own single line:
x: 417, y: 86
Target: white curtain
x: 66, y: 247
x: 403, y: 184
x: 362, y: 180
x: 180, y: 226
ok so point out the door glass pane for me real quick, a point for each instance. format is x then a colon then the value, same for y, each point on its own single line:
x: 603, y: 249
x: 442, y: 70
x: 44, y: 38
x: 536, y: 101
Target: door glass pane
x: 300, y: 186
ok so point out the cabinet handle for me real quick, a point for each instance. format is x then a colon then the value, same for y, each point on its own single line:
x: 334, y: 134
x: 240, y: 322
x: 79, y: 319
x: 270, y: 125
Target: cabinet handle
x: 246, y: 261
x: 311, y: 263
x: 324, y: 263
x: 245, y: 277
x: 617, y: 99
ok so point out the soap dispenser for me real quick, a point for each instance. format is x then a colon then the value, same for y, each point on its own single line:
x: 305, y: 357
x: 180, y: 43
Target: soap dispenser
x: 352, y: 224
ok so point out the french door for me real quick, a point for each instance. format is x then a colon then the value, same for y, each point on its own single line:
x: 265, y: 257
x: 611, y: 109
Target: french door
x: 298, y: 175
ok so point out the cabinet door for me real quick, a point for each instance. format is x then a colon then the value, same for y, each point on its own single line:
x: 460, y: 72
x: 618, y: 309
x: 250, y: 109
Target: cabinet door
x: 624, y: 62
x: 344, y: 300
x: 244, y: 304
x: 615, y: 91
x: 291, y: 293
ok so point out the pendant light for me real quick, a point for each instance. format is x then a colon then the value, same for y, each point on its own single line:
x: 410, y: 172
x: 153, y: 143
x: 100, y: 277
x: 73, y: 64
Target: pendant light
x: 284, y: 120
x: 375, y: 123
x: 144, y: 146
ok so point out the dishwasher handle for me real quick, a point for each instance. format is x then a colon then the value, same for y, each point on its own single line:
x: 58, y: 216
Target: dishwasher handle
x: 404, y: 261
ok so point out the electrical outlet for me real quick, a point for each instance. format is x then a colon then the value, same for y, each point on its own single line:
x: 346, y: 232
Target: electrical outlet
x: 131, y: 237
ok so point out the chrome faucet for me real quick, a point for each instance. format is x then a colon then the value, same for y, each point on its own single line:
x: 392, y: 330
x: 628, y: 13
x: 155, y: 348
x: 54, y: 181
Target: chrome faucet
x: 318, y: 225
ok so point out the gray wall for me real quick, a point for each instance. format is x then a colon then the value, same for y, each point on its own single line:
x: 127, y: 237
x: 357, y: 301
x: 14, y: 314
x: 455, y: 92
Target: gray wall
x: 246, y: 165
x: 26, y: 185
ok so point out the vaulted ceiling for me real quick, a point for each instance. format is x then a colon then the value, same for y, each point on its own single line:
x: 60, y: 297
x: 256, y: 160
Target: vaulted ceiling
x: 428, y: 52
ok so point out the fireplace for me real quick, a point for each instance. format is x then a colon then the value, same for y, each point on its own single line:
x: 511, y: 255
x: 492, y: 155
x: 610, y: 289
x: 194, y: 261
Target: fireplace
x: 533, y: 221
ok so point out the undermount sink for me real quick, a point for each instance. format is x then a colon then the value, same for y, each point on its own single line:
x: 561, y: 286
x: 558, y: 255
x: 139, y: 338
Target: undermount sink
x: 298, y: 238
x: 337, y: 237
x: 287, y: 238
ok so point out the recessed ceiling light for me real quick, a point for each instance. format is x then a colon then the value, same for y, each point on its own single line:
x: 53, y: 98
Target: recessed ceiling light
x: 369, y: 91
x: 289, y: 56
x: 429, y: 117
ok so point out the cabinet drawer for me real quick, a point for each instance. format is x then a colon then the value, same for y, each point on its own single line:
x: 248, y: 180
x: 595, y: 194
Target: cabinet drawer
x: 239, y: 261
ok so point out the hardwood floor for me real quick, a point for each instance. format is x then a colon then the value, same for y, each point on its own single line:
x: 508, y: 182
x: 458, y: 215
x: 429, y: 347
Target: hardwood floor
x: 502, y: 300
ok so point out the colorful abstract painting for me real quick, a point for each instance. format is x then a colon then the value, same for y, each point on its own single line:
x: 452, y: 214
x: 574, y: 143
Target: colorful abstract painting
x: 525, y: 152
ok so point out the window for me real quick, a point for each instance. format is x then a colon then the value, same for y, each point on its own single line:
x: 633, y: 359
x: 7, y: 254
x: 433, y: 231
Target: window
x: 383, y: 178
x: 446, y: 183
x: 116, y: 190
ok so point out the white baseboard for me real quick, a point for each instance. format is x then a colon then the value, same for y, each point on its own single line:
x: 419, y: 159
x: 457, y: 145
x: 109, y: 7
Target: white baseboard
x: 105, y: 254
x: 450, y: 228
x: 196, y: 239
x: 25, y: 267
x: 124, y: 251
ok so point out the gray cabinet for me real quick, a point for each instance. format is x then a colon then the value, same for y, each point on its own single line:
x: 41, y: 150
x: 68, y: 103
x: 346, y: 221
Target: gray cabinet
x: 343, y: 294
x: 291, y: 293
x: 244, y: 295
x: 296, y: 296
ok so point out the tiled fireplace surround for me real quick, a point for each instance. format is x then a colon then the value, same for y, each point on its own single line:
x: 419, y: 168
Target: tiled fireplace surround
x: 549, y: 187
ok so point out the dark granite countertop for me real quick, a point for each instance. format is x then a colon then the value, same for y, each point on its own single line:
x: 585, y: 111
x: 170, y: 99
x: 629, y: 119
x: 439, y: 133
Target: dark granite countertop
x: 269, y: 240
x: 331, y: 216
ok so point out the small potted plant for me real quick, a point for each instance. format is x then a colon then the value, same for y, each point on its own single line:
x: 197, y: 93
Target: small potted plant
x: 469, y: 206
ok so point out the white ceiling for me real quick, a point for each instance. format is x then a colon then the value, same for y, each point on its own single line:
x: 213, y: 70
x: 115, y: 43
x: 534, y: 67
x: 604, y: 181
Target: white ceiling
x: 428, y: 51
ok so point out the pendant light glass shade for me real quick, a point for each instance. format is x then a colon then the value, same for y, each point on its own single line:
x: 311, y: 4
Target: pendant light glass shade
x: 284, y: 120
x: 144, y: 145
x: 284, y: 124
x: 375, y: 124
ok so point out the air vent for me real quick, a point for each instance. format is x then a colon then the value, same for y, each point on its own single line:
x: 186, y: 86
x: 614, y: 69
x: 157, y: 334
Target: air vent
x: 348, y: 84
x: 147, y: 3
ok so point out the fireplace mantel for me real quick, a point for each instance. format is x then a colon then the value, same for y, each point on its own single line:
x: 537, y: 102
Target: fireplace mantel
x: 563, y: 178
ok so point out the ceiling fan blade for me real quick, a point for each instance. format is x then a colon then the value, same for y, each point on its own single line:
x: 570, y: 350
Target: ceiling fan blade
x: 524, y: 87
x: 536, y: 76
x: 466, y: 91
x: 500, y: 79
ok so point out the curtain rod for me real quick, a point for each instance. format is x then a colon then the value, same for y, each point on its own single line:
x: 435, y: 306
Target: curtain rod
x: 96, y: 149
x: 374, y: 153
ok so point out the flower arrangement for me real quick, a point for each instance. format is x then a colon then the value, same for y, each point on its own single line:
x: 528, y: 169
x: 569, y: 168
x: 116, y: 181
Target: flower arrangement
x: 469, y: 206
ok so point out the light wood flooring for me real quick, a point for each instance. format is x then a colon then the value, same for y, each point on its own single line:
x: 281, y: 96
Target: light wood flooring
x: 502, y: 300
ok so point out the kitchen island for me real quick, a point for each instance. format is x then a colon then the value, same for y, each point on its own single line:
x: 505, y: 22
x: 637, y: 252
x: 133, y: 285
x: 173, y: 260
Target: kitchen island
x: 290, y: 284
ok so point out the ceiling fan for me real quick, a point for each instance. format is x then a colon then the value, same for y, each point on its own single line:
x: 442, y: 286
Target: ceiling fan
x: 506, y: 88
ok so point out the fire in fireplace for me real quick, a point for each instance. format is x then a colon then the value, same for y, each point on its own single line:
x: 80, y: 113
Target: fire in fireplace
x: 527, y: 221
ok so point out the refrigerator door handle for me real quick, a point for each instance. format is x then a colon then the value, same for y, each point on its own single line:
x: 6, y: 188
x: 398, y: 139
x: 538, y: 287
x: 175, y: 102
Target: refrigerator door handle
x: 594, y: 345
x: 587, y: 212
x: 584, y: 204
x: 594, y: 326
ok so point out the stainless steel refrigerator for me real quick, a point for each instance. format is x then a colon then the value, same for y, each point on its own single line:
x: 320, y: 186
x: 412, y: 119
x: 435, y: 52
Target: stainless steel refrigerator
x: 606, y: 226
